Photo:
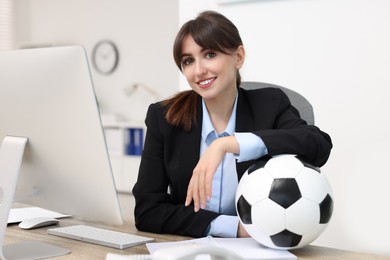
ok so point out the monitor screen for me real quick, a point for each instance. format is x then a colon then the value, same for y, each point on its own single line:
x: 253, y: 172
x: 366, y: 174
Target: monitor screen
x: 47, y: 95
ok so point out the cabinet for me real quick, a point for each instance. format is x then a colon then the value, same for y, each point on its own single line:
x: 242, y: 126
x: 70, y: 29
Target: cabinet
x: 124, y: 143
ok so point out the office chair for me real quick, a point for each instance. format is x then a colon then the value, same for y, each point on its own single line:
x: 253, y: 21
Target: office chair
x: 303, y: 106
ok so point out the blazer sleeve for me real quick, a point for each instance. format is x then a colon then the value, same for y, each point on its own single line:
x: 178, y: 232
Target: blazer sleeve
x: 159, y: 209
x: 291, y: 134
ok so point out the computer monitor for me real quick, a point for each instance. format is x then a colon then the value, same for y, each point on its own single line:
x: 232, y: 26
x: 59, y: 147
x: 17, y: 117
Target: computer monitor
x: 47, y: 96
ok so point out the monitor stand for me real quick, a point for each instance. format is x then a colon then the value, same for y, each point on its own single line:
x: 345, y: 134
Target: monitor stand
x: 11, y: 155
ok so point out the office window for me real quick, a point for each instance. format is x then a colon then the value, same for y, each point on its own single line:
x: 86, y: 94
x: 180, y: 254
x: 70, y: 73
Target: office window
x: 6, y: 25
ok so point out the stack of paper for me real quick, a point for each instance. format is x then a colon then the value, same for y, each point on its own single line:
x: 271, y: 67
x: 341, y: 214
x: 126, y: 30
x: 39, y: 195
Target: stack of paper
x: 247, y: 248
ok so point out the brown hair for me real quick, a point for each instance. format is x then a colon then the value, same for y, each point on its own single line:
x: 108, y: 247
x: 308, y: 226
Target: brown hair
x: 211, y: 31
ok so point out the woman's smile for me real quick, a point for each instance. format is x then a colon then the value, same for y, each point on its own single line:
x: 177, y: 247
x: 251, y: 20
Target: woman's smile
x: 206, y: 83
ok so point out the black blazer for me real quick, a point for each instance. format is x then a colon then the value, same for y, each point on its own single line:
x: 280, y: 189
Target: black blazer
x: 170, y: 154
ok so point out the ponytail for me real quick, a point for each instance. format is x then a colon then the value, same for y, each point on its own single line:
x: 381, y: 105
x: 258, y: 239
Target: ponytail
x: 181, y: 109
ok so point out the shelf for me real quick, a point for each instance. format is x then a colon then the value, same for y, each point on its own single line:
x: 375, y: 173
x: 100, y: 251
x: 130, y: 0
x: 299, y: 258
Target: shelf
x: 124, y: 143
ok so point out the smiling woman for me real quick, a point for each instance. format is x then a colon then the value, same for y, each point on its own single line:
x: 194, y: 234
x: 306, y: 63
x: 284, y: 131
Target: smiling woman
x: 211, y: 74
x: 200, y: 142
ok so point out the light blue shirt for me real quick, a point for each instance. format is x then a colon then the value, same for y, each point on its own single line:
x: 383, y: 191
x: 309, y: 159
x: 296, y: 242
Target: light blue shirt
x: 225, y: 179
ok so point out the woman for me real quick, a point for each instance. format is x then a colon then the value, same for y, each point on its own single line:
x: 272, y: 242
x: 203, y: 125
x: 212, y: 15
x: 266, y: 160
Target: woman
x: 200, y: 142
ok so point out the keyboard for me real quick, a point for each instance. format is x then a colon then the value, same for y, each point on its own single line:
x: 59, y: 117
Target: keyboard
x: 100, y: 236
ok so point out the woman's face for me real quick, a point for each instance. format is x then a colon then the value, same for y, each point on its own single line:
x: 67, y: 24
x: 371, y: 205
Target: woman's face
x: 211, y: 74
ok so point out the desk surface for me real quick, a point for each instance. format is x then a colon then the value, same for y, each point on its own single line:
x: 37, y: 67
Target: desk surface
x: 82, y: 250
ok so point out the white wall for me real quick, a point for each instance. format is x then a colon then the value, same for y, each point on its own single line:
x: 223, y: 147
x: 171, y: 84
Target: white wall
x: 143, y: 31
x: 336, y: 53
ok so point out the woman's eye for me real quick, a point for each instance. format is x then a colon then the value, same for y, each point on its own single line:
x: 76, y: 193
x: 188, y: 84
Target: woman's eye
x: 187, y: 61
x: 210, y: 55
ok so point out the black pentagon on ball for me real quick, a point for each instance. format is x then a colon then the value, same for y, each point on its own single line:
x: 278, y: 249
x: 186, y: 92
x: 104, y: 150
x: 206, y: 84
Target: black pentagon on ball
x: 260, y: 163
x: 286, y: 238
x: 326, y: 209
x: 285, y: 192
x: 244, y: 210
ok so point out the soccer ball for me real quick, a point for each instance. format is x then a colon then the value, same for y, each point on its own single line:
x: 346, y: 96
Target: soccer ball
x: 283, y: 202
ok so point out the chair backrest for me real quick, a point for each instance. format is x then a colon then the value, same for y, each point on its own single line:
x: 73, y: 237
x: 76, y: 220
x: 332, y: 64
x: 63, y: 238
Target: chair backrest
x: 303, y: 106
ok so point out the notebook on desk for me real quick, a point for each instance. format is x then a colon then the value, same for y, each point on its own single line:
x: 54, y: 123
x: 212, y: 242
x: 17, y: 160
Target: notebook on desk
x: 17, y: 215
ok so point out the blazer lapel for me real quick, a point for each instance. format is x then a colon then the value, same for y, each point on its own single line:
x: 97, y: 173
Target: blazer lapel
x: 244, y: 123
x: 190, y: 145
x: 244, y: 117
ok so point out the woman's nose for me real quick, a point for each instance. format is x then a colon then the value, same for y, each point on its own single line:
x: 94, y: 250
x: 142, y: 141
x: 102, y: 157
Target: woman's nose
x: 200, y: 68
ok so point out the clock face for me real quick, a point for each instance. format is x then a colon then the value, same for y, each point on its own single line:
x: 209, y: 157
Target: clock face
x: 105, y: 57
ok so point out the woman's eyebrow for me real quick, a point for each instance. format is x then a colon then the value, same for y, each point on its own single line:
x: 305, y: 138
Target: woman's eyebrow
x: 185, y: 55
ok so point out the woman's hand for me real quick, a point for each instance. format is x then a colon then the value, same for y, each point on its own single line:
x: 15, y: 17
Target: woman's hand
x: 241, y: 232
x: 199, y: 188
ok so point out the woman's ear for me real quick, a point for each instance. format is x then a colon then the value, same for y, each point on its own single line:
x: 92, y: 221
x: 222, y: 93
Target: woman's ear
x: 240, y: 56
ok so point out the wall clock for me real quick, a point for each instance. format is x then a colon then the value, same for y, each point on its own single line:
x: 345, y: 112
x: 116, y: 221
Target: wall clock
x: 105, y: 57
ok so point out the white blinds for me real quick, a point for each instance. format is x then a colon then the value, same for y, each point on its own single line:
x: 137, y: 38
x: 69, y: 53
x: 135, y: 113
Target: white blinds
x: 6, y: 25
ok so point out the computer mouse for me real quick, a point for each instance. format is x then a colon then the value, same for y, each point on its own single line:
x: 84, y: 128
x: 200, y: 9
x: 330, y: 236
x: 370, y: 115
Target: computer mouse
x: 38, y: 222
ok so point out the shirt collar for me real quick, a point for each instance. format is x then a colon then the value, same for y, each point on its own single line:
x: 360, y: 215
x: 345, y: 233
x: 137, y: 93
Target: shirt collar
x: 208, y: 130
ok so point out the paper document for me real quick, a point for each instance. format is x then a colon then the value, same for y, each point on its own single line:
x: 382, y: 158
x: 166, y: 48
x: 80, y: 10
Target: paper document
x: 17, y: 215
x: 247, y: 248
x: 113, y: 256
